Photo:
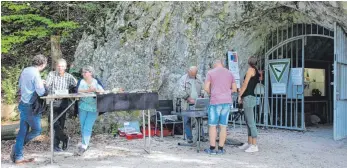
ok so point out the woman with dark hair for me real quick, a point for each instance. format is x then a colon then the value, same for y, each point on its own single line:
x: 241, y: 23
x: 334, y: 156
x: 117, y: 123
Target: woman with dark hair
x: 248, y: 99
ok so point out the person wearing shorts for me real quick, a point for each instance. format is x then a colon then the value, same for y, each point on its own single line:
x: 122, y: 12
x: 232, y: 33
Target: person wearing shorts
x: 219, y: 84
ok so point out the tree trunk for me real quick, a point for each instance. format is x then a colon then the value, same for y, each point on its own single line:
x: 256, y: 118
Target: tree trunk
x: 55, y: 50
x: 10, y: 130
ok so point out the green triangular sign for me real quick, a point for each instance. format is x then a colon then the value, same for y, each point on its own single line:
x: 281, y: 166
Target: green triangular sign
x: 278, y: 69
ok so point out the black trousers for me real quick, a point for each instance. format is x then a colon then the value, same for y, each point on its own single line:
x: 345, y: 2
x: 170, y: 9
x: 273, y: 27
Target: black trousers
x: 58, y: 107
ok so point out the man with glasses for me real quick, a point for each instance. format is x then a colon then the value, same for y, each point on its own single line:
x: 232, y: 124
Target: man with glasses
x: 59, y: 80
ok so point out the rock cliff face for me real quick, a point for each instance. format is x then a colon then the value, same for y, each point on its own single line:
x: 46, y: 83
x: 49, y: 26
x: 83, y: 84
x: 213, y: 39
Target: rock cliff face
x: 149, y: 45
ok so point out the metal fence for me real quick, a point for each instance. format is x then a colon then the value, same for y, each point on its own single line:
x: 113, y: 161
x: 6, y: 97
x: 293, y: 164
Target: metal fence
x: 283, y: 111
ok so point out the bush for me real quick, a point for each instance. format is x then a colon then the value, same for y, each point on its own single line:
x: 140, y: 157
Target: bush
x: 9, y: 84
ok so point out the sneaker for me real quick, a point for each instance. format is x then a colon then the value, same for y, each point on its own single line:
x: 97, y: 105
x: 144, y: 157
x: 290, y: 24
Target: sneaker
x: 221, y: 152
x: 12, y: 155
x: 211, y: 152
x: 252, y: 148
x: 81, y: 151
x: 57, y: 149
x: 244, y: 146
x: 190, y: 141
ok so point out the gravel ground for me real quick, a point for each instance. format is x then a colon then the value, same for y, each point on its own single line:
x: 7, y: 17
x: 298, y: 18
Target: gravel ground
x: 278, y: 148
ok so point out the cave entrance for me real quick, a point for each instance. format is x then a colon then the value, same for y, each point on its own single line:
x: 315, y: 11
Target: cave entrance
x: 312, y: 92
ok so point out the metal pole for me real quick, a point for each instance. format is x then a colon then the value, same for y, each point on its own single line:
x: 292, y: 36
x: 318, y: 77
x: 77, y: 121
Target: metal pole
x: 281, y: 94
x: 286, y: 118
x: 272, y: 100
x: 144, y: 128
x: 266, y: 87
x: 149, y: 130
x: 296, y: 65
x: 329, y: 93
x: 303, y: 98
x: 291, y: 64
x: 62, y: 113
x: 277, y: 34
x: 199, y: 133
x: 52, y: 133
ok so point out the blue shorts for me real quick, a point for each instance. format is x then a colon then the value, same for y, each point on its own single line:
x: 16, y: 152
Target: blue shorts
x: 218, y: 114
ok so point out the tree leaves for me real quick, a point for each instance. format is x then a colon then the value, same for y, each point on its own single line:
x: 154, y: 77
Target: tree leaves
x: 23, y: 27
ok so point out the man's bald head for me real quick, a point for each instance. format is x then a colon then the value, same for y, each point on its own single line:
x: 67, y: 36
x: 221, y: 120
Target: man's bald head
x: 192, y: 71
x: 217, y: 63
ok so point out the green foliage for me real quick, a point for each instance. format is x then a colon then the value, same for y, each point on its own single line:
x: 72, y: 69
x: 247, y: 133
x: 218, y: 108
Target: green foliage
x: 19, y: 28
x: 16, y: 117
x: 9, y: 84
x: 89, y: 7
x: 166, y: 24
x: 15, y: 7
x: 44, y: 74
x: 114, y: 128
x: 146, y: 34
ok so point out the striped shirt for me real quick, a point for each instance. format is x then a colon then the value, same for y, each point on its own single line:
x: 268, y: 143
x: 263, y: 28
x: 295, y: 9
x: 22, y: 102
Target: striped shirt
x: 56, y: 82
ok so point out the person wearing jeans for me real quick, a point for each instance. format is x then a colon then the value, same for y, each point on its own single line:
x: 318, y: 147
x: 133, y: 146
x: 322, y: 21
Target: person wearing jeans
x: 29, y: 82
x: 248, y: 99
x: 87, y: 106
x: 220, y: 84
x: 190, y: 87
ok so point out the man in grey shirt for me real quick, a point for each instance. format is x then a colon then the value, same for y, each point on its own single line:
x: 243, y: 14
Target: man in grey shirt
x: 29, y: 83
x: 189, y: 88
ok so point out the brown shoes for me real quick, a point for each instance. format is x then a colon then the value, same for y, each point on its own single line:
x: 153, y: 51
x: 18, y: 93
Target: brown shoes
x: 24, y: 161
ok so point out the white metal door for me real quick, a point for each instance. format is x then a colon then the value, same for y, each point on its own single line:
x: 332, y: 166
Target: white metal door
x: 340, y: 83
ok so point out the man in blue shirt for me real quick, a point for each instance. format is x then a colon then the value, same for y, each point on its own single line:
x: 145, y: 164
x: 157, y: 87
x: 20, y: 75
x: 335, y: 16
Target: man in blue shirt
x: 29, y: 82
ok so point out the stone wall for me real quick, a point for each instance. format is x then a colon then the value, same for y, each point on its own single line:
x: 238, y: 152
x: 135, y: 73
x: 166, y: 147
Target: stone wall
x: 149, y: 45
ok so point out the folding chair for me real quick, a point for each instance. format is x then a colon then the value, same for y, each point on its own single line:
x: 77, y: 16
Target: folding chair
x: 164, y: 116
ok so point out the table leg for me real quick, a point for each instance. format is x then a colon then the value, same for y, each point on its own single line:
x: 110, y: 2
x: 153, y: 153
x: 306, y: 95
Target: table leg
x: 199, y: 134
x: 144, y: 128
x: 184, y: 133
x: 52, y: 133
x: 149, y: 130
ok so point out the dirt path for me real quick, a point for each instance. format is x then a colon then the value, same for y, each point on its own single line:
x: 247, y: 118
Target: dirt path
x: 278, y: 148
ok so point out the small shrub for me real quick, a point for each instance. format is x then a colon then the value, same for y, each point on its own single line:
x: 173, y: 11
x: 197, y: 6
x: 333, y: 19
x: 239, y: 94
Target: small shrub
x: 9, y: 84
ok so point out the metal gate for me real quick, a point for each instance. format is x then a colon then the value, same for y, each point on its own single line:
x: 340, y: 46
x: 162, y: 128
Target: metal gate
x: 340, y: 80
x: 286, y: 111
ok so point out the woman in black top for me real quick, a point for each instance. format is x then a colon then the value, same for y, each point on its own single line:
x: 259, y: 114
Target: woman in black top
x: 248, y: 99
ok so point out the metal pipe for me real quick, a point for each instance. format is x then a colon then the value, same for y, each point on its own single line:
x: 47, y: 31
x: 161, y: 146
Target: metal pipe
x: 62, y: 113
x: 303, y: 95
x: 286, y: 117
x: 291, y: 62
x: 144, y: 127
x: 296, y: 95
x: 52, y: 132
x: 281, y: 94
x: 272, y: 104
x: 266, y: 99
x: 149, y: 130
